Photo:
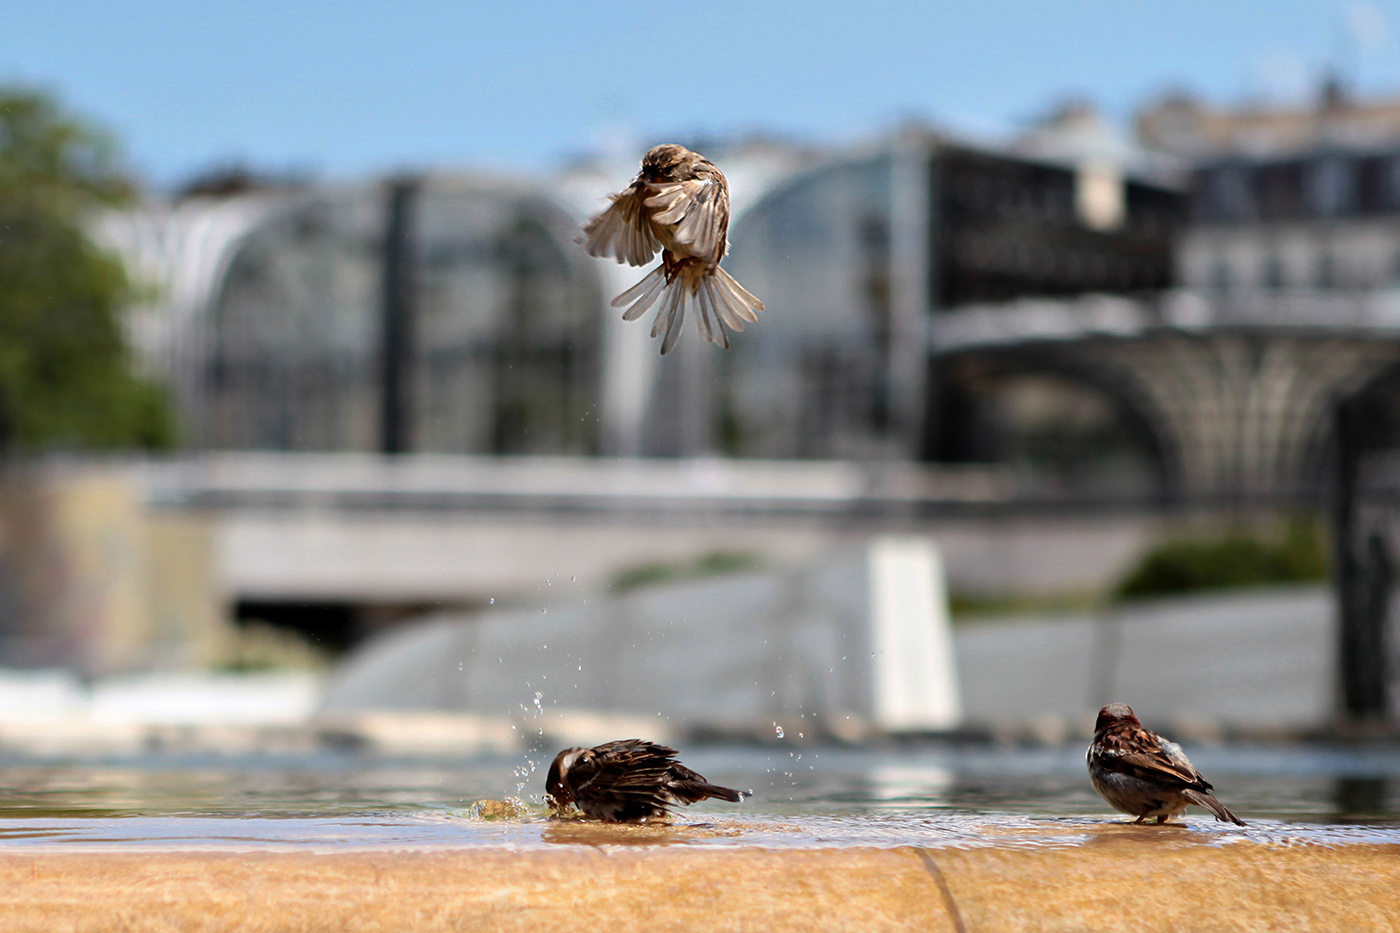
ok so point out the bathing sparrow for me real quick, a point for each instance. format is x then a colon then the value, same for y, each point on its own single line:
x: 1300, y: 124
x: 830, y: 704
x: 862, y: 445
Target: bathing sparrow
x: 627, y: 782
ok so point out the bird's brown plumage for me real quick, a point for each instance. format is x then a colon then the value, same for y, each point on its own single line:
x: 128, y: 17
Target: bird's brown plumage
x: 678, y: 204
x: 1143, y: 774
x: 627, y: 781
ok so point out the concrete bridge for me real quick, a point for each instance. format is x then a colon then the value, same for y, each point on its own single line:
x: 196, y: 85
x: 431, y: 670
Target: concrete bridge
x: 139, y: 563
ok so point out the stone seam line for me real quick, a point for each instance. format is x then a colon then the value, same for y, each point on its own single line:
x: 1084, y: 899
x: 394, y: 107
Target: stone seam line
x: 949, y: 901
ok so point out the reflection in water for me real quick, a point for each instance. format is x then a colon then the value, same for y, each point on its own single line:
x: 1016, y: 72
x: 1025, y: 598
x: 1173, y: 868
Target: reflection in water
x: 590, y: 833
x: 1362, y: 798
x: 902, y: 783
x: 1125, y: 834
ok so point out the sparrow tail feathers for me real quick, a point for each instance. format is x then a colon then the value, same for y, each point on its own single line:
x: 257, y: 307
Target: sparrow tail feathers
x: 737, y: 297
x: 719, y: 302
x: 694, y: 791
x: 642, y: 295
x: 1222, y: 812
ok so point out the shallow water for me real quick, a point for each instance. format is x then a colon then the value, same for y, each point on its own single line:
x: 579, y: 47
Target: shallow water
x: 803, y: 797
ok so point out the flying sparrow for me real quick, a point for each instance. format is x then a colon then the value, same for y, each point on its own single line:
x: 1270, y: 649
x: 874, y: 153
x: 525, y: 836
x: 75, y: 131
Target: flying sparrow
x: 627, y: 782
x: 1144, y: 775
x: 679, y: 204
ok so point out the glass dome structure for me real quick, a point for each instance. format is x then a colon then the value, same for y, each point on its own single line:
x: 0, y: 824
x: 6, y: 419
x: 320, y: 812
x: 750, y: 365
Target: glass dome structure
x: 274, y: 328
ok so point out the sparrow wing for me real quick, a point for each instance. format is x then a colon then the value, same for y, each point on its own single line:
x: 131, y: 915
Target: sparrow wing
x: 1180, y: 763
x: 622, y: 232
x: 1148, y: 756
x: 632, y: 752
x: 699, y: 210
x: 631, y: 770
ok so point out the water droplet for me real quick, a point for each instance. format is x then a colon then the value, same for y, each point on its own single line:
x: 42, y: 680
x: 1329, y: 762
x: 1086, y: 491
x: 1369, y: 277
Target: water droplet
x: 546, y: 612
x: 493, y: 600
x: 778, y: 730
x: 573, y: 579
x: 461, y: 666
x: 580, y: 667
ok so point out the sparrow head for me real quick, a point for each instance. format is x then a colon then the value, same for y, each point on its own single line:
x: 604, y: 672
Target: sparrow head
x: 556, y: 784
x: 1115, y: 713
x: 669, y: 162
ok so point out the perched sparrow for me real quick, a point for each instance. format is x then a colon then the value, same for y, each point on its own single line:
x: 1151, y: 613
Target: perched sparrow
x: 1142, y: 774
x: 679, y: 204
x: 627, y: 782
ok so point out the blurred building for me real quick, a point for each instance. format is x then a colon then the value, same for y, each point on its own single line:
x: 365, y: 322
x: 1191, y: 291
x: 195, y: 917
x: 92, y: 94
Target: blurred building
x: 441, y: 314
x: 1287, y: 200
x: 1188, y: 127
x: 861, y: 259
x: 1285, y: 300
x: 456, y: 314
x: 1109, y: 317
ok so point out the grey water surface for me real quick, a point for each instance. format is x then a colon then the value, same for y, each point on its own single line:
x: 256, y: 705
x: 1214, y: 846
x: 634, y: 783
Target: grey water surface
x: 803, y: 796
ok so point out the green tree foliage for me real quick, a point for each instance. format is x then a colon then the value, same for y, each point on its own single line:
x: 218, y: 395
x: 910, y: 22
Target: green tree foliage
x: 1236, y: 558
x: 65, y: 375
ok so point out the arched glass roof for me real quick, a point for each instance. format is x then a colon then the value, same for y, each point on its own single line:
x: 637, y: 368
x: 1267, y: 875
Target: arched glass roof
x: 273, y: 332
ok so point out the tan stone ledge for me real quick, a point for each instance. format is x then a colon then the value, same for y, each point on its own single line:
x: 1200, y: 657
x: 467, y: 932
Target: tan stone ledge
x: 1120, y: 882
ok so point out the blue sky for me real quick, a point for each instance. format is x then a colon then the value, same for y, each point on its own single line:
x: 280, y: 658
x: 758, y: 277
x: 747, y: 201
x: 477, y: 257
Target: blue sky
x: 347, y: 88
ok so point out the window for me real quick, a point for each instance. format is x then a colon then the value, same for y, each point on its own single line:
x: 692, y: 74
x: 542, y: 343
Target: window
x: 1223, y: 193
x: 1332, y: 186
x: 1279, y: 189
x: 1373, y: 187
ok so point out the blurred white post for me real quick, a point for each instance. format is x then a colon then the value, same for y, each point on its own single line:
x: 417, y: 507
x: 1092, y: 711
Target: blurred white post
x: 915, y: 681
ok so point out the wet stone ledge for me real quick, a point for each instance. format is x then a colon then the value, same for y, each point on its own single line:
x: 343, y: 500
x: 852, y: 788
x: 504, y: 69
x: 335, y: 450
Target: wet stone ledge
x: 1124, y: 878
